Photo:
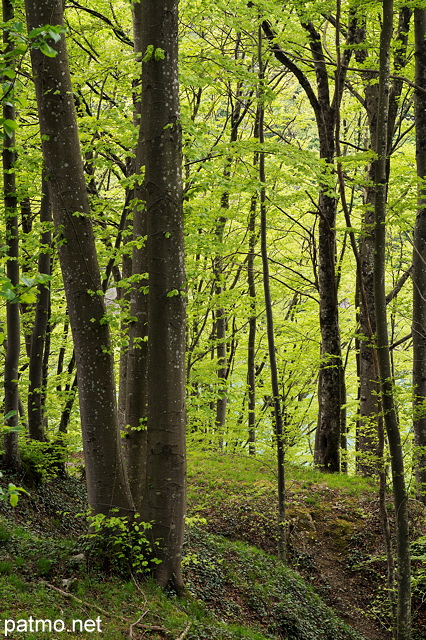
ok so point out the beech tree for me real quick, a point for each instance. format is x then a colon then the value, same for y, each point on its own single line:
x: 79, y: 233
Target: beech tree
x: 419, y: 257
x: 162, y: 186
x: 11, y: 373
x: 325, y: 107
x: 319, y: 118
x: 106, y: 478
x: 403, y: 622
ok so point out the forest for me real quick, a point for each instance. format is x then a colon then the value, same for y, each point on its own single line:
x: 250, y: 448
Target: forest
x: 212, y: 280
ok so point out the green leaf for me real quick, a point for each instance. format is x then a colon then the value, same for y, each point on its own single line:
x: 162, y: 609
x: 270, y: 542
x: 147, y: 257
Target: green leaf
x: 47, y: 50
x: 13, y: 499
x: 9, y: 73
x: 148, y: 53
x: 54, y: 35
x: 9, y: 127
x: 30, y: 297
x: 159, y: 54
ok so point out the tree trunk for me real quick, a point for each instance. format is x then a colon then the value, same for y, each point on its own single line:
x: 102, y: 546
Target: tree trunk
x: 278, y: 414
x: 137, y: 357
x: 330, y: 379
x: 11, y: 368
x: 161, y: 133
x: 419, y: 262
x: 251, y: 347
x: 39, y: 334
x: 403, y: 623
x: 106, y: 479
x: 367, y: 438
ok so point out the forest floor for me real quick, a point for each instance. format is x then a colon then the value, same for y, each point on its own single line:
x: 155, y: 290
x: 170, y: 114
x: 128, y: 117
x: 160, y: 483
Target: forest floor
x: 237, y: 588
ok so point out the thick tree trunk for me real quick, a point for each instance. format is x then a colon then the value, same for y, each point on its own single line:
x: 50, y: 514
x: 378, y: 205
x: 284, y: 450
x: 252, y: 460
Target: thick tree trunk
x: 161, y: 132
x: 403, y: 623
x: 419, y: 262
x: 106, y: 478
x: 11, y: 368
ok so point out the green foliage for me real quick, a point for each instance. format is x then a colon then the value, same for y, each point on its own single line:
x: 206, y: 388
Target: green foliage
x: 153, y: 53
x: 418, y: 558
x: 39, y: 37
x: 44, y: 566
x: 11, y: 493
x: 41, y: 461
x: 124, y: 544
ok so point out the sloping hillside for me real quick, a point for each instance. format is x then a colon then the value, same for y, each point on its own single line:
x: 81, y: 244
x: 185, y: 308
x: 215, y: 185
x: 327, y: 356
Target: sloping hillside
x: 334, y: 532
x: 237, y: 588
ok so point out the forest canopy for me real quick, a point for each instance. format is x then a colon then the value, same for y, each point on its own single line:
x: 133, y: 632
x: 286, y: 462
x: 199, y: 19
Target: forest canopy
x: 214, y: 229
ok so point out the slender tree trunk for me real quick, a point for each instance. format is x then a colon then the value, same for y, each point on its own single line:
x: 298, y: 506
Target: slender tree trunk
x: 161, y: 133
x: 330, y: 378
x: 278, y: 416
x: 11, y: 369
x: 419, y: 262
x: 39, y: 335
x: 367, y: 437
x: 126, y: 272
x: 137, y: 357
x: 327, y: 451
x: 106, y: 478
x: 403, y: 623
x: 251, y: 348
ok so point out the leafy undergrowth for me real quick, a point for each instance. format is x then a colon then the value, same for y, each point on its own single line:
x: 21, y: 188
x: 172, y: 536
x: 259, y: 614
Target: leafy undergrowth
x: 236, y: 586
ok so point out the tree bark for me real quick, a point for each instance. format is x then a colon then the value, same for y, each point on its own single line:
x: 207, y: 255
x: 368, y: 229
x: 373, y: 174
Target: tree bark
x: 161, y: 133
x: 251, y: 347
x: 367, y: 437
x: 278, y: 414
x: 135, y: 440
x: 403, y: 622
x: 11, y: 369
x: 39, y: 334
x: 106, y: 478
x: 419, y: 262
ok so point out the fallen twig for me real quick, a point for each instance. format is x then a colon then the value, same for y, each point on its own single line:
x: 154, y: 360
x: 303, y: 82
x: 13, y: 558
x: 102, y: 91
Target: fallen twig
x: 134, y: 624
x: 185, y: 631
